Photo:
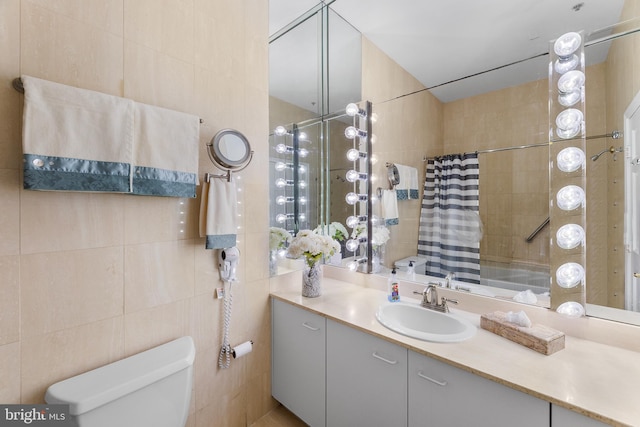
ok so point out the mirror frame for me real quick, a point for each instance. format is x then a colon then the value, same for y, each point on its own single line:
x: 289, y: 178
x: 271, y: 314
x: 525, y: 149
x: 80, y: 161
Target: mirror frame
x: 222, y: 161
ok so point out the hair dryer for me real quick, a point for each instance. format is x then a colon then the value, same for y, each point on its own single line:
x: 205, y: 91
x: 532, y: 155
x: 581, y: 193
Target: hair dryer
x: 228, y: 259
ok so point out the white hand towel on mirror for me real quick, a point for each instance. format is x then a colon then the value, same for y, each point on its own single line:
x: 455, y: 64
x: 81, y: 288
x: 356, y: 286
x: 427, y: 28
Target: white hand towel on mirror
x: 407, y: 188
x: 218, y: 213
x: 390, y: 207
x: 75, y: 139
x: 165, y: 157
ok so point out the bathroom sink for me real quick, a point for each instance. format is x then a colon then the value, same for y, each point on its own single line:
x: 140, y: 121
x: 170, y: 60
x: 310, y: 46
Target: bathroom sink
x: 415, y: 321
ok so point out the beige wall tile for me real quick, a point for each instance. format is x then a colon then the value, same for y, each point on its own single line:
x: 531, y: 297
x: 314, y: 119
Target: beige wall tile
x: 59, y: 221
x: 53, y: 357
x: 156, y: 219
x: 158, y: 273
x: 10, y: 100
x: 104, y: 14
x: 9, y: 212
x: 10, y: 378
x: 60, y: 290
x: 9, y: 300
x: 64, y: 50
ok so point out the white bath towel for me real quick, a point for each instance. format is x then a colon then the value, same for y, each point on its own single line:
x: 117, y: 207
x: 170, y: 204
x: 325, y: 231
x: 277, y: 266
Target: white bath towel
x: 218, y: 213
x: 390, y: 207
x: 75, y: 139
x: 408, y: 186
x: 165, y: 155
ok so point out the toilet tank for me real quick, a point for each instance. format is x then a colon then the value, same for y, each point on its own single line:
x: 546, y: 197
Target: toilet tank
x: 149, y: 389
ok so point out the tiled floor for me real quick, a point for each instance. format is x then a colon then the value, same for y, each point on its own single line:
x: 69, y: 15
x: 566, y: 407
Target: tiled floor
x: 279, y: 417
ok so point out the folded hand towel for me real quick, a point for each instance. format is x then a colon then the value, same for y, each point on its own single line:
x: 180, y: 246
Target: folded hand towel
x: 218, y: 213
x: 75, y: 139
x: 408, y: 186
x: 165, y: 154
x: 390, y: 207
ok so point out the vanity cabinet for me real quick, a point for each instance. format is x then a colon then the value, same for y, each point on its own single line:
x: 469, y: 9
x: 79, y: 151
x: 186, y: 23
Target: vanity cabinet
x: 443, y: 395
x: 298, y: 361
x: 561, y: 417
x: 366, y: 379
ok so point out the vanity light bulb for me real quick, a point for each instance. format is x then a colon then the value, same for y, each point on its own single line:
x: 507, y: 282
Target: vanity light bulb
x: 570, y: 197
x: 353, y: 175
x: 303, y: 152
x: 351, y: 132
x: 352, y: 110
x: 281, y: 218
x: 570, y: 98
x: 352, y: 221
x: 302, y: 200
x: 302, y: 169
x: 571, y: 81
x: 571, y: 309
x: 281, y: 148
x: 280, y: 166
x: 353, y: 198
x: 353, y: 155
x: 569, y: 119
x: 302, y: 217
x: 352, y: 245
x: 570, y: 159
x: 281, y: 200
x: 302, y: 136
x: 302, y: 184
x: 562, y: 65
x: 281, y: 182
x: 567, y: 44
x: 569, y: 275
x: 352, y: 266
x: 280, y: 130
x: 570, y: 236
x: 568, y: 133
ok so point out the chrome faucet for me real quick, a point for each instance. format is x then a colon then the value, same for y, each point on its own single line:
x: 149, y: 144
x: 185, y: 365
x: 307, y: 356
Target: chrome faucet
x: 447, y: 280
x: 430, y: 299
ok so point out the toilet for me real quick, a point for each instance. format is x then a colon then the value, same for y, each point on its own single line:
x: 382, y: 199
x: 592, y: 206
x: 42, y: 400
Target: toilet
x: 149, y: 389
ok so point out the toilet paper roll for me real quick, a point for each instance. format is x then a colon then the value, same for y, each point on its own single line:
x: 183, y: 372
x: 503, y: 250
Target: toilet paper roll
x: 242, y: 349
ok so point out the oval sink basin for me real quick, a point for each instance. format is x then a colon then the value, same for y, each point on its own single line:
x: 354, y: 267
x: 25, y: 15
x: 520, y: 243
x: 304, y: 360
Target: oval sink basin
x: 415, y: 321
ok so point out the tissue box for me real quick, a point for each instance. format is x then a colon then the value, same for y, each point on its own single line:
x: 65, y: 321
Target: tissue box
x: 540, y: 338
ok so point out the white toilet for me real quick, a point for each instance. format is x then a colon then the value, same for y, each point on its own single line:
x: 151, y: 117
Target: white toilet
x: 149, y: 389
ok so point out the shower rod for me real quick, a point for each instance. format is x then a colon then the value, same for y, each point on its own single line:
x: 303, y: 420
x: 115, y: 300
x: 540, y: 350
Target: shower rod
x: 615, y: 135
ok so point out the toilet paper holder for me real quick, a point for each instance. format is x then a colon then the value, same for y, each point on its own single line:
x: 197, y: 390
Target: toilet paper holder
x: 242, y: 349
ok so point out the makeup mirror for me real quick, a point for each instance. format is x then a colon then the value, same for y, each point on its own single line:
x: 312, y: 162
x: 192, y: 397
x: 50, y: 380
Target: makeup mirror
x: 230, y: 150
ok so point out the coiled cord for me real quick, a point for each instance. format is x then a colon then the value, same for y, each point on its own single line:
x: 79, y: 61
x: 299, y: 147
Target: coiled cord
x: 224, y: 360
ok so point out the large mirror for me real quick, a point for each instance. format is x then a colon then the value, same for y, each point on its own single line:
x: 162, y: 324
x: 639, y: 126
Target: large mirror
x: 477, y: 114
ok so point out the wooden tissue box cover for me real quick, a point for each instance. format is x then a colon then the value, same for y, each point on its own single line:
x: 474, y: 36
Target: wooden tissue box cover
x: 538, y: 337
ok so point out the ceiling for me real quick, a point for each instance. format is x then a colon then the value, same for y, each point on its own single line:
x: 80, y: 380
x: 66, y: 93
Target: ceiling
x: 440, y: 41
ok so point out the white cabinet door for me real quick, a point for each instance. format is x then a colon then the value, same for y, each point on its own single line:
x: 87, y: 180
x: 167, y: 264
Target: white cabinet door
x: 445, y: 396
x: 366, y: 379
x: 561, y: 417
x: 298, y: 361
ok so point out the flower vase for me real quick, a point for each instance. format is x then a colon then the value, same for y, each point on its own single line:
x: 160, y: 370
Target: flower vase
x: 312, y: 280
x: 273, y: 263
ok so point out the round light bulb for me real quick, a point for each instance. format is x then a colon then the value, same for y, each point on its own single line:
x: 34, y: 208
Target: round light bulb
x: 570, y: 159
x: 352, y: 198
x: 281, y: 148
x: 352, y: 175
x: 352, y: 109
x: 351, y: 132
x: 352, y: 265
x: 280, y: 130
x: 280, y: 166
x: 302, y: 136
x: 562, y: 65
x: 281, y: 218
x: 303, y: 152
x: 302, y: 169
x: 302, y: 200
x: 570, y: 197
x: 568, y: 133
x: 570, y: 236
x: 567, y: 99
x: 571, y: 309
x: 281, y: 200
x: 352, y: 245
x: 569, y: 275
x: 302, y: 217
x: 569, y: 119
x: 571, y: 81
x: 302, y: 184
x: 281, y: 182
x: 352, y: 221
x: 353, y: 155
x: 567, y: 44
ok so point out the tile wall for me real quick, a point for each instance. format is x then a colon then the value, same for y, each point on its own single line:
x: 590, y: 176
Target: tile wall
x: 87, y: 279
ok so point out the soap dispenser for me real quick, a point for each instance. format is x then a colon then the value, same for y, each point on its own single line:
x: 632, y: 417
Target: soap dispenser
x: 393, y: 293
x: 411, y: 271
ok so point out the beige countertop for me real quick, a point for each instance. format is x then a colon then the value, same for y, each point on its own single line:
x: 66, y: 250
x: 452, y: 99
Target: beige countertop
x: 598, y: 379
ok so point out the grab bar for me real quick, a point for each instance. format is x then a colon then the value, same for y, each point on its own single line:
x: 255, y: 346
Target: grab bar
x: 537, y: 230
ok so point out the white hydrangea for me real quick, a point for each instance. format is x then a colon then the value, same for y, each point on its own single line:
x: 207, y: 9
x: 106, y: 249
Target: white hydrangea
x: 312, y: 246
x: 278, y: 238
x: 380, y: 234
x: 336, y: 230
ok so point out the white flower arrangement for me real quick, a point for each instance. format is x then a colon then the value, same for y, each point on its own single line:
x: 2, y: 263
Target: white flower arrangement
x: 278, y: 238
x: 312, y: 246
x: 335, y: 230
x: 380, y: 234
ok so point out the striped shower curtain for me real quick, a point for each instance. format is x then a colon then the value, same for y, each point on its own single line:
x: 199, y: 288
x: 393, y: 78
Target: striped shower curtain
x: 450, y: 226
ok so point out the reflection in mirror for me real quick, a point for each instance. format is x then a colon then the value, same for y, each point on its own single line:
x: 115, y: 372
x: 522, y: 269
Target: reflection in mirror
x: 230, y: 151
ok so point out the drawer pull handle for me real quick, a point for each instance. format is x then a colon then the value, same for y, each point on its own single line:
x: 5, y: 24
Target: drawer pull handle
x: 390, y: 362
x: 308, y: 326
x: 440, y: 383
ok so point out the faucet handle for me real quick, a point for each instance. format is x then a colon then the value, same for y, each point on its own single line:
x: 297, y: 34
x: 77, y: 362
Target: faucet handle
x: 444, y: 305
